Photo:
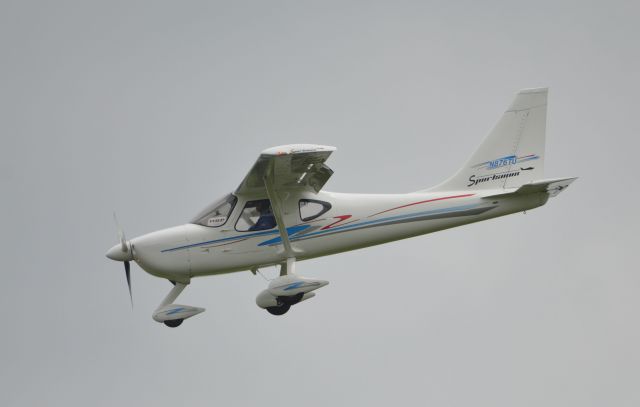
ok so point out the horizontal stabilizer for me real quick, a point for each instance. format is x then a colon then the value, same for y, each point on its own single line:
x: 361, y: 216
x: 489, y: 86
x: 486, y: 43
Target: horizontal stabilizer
x: 551, y: 186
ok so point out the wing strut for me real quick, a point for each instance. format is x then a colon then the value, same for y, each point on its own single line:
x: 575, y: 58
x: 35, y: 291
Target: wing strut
x: 278, y: 212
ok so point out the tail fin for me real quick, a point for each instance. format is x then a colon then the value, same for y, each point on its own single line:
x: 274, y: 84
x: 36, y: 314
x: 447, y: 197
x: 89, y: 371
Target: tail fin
x: 513, y: 153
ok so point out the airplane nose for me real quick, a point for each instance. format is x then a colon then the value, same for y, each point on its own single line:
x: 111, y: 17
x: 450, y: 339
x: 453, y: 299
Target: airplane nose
x: 116, y: 253
x: 160, y: 252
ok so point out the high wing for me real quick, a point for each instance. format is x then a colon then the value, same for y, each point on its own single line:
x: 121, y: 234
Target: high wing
x: 294, y: 167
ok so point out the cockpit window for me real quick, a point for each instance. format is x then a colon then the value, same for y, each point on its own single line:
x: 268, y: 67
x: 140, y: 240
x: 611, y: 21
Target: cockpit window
x: 256, y: 215
x: 217, y: 213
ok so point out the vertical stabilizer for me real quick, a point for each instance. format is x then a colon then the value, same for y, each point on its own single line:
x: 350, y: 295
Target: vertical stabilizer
x: 513, y: 152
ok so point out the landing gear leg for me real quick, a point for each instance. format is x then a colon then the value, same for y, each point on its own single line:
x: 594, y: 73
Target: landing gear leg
x: 289, y: 267
x: 173, y: 294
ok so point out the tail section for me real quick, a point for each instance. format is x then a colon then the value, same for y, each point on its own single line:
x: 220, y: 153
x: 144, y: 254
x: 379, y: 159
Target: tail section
x: 513, y: 153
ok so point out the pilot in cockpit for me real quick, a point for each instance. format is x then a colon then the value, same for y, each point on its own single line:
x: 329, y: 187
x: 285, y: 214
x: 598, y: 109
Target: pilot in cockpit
x: 266, y: 220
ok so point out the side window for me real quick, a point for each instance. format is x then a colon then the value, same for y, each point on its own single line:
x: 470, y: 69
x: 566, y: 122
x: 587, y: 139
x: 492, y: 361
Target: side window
x: 311, y: 209
x: 256, y: 215
x: 217, y: 213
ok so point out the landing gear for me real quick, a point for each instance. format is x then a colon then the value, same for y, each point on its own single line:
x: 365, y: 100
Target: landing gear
x: 287, y: 290
x: 278, y: 310
x: 172, y: 315
x: 173, y: 323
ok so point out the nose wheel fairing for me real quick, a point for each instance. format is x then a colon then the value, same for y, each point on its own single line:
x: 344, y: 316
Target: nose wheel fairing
x: 172, y: 314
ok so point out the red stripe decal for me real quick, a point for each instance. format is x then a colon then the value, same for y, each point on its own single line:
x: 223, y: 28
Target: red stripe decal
x: 421, y: 202
x: 340, y: 219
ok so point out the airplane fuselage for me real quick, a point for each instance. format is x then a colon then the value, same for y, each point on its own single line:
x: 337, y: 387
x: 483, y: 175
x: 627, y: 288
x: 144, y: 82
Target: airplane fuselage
x: 353, y: 221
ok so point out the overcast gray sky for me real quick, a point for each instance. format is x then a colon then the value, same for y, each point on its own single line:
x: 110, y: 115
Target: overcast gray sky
x: 156, y: 108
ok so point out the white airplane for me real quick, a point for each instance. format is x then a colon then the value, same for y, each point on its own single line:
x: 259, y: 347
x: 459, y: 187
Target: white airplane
x: 280, y: 215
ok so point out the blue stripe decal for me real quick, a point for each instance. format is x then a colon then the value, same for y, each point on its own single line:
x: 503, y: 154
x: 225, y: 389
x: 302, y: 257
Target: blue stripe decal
x: 226, y: 239
x: 372, y: 222
x: 174, y: 311
x: 291, y: 231
x: 295, y: 285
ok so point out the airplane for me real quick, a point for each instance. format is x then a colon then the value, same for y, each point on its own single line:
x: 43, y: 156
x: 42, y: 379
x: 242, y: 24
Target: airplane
x: 280, y: 215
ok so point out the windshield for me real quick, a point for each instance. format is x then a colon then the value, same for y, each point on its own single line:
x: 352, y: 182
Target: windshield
x: 217, y: 213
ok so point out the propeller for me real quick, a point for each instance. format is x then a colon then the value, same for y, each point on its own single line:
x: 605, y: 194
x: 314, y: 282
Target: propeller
x: 127, y: 273
x: 123, y: 252
x: 123, y: 240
